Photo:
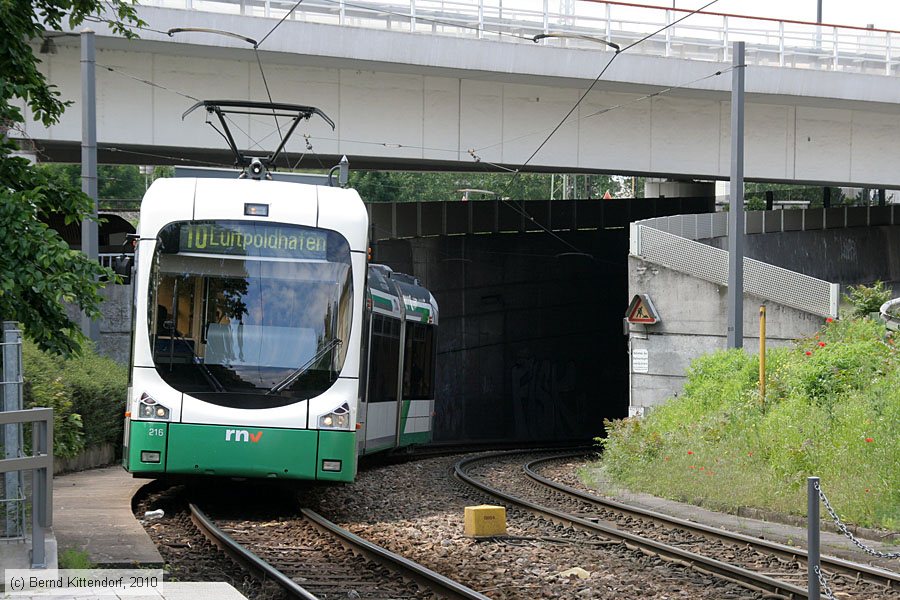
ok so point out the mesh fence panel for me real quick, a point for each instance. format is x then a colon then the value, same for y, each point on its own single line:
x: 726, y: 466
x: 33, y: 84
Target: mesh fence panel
x: 711, y: 264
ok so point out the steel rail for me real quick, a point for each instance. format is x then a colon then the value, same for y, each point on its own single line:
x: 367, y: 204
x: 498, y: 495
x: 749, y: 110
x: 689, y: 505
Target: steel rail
x: 869, y: 573
x: 741, y: 576
x: 440, y: 585
x: 245, y: 557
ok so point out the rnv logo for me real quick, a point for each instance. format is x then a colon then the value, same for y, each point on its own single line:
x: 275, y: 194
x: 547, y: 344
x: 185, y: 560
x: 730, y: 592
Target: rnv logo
x: 242, y: 435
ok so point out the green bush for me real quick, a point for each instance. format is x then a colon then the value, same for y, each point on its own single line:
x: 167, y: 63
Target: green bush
x: 831, y: 409
x: 867, y: 299
x: 87, y: 394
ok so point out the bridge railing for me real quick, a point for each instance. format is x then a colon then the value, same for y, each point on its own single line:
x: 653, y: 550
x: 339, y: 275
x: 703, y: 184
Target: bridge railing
x: 671, y: 242
x: 704, y: 36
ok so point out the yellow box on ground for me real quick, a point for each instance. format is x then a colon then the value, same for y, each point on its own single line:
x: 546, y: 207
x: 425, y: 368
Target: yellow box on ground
x: 485, y: 520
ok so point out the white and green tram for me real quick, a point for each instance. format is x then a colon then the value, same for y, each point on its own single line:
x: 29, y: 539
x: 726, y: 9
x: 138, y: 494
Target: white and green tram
x: 264, y: 345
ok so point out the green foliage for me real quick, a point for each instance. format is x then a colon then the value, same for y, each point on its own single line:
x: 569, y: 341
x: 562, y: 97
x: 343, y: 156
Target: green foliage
x: 44, y: 386
x: 397, y: 186
x: 831, y: 409
x: 38, y: 272
x: 75, y: 559
x: 98, y: 387
x: 119, y: 182
x: 867, y: 299
x: 87, y: 393
x: 755, y: 195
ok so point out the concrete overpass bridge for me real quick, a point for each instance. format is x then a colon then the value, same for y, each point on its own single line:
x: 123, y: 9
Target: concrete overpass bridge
x: 460, y: 85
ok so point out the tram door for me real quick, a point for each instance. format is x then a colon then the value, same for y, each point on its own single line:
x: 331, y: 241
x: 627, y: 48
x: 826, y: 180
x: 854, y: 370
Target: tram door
x: 384, y: 372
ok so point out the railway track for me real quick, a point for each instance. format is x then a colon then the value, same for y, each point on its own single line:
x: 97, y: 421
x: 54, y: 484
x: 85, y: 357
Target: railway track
x: 323, y: 561
x: 763, y: 566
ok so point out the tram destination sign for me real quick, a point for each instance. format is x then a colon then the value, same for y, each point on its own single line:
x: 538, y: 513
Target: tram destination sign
x: 251, y: 239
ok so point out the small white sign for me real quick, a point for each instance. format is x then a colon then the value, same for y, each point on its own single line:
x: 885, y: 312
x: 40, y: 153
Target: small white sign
x: 640, y: 360
x: 636, y: 411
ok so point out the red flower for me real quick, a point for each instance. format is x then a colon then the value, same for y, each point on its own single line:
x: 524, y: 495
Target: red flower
x: 691, y: 467
x: 822, y: 344
x: 749, y: 454
x: 808, y: 353
x: 690, y: 451
x: 829, y: 320
x: 701, y: 468
x: 870, y: 440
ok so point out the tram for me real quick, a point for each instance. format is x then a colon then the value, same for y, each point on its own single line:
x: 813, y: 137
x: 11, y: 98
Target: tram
x: 264, y: 344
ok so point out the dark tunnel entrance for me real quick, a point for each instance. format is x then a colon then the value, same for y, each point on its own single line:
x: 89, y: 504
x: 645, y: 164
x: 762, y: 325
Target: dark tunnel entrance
x: 530, y: 337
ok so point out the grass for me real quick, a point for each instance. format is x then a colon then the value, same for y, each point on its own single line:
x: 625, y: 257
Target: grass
x: 75, y: 559
x: 832, y: 410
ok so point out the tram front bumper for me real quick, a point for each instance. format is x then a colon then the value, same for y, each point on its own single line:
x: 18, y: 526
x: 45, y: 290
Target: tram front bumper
x: 156, y: 448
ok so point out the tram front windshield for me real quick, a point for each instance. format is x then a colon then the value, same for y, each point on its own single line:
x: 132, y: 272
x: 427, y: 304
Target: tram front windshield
x: 247, y: 314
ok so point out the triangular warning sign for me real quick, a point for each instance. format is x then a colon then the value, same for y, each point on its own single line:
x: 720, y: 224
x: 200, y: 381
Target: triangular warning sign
x: 641, y: 310
x: 606, y: 195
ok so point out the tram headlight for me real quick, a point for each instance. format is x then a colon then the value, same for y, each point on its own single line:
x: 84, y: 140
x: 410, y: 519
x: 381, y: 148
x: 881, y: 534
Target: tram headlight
x: 148, y: 408
x: 339, y: 418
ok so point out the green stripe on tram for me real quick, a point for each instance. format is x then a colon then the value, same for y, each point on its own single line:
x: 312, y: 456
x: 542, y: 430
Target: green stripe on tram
x: 419, y: 310
x: 230, y: 451
x: 382, y: 302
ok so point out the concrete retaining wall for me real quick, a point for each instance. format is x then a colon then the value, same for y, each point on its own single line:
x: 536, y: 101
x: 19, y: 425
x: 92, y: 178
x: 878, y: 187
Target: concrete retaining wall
x: 115, y: 324
x: 693, y: 322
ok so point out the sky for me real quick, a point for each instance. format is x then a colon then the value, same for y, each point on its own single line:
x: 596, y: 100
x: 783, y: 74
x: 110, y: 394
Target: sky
x: 884, y: 14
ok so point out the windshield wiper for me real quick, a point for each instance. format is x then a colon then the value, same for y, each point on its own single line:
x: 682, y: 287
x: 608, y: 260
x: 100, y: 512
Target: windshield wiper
x: 207, y: 374
x: 326, y: 349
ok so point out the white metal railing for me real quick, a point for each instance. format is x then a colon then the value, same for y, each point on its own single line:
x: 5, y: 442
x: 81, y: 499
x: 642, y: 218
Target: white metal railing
x: 703, y: 36
x: 656, y: 240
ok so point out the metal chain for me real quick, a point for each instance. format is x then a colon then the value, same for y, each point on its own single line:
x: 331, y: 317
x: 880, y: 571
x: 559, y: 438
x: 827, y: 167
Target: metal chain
x: 843, y: 529
x: 823, y: 583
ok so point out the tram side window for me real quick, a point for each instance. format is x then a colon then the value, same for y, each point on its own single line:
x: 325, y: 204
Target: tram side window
x: 385, y: 359
x: 418, y: 367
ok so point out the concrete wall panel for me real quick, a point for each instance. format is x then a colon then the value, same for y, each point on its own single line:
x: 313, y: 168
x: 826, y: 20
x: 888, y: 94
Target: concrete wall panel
x: 125, y: 101
x: 680, y: 124
x: 874, y: 137
x: 202, y: 78
x: 768, y: 139
x: 602, y: 140
x: 63, y: 71
x: 308, y: 86
x: 381, y: 108
x: 693, y: 322
x: 822, y: 144
x: 481, y: 119
x: 440, y: 134
x: 530, y: 113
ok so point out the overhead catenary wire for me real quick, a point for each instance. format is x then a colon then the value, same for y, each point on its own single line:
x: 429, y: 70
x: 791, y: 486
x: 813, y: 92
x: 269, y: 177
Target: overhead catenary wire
x: 428, y: 148
x: 575, y: 107
x: 609, y: 109
x: 266, y: 83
